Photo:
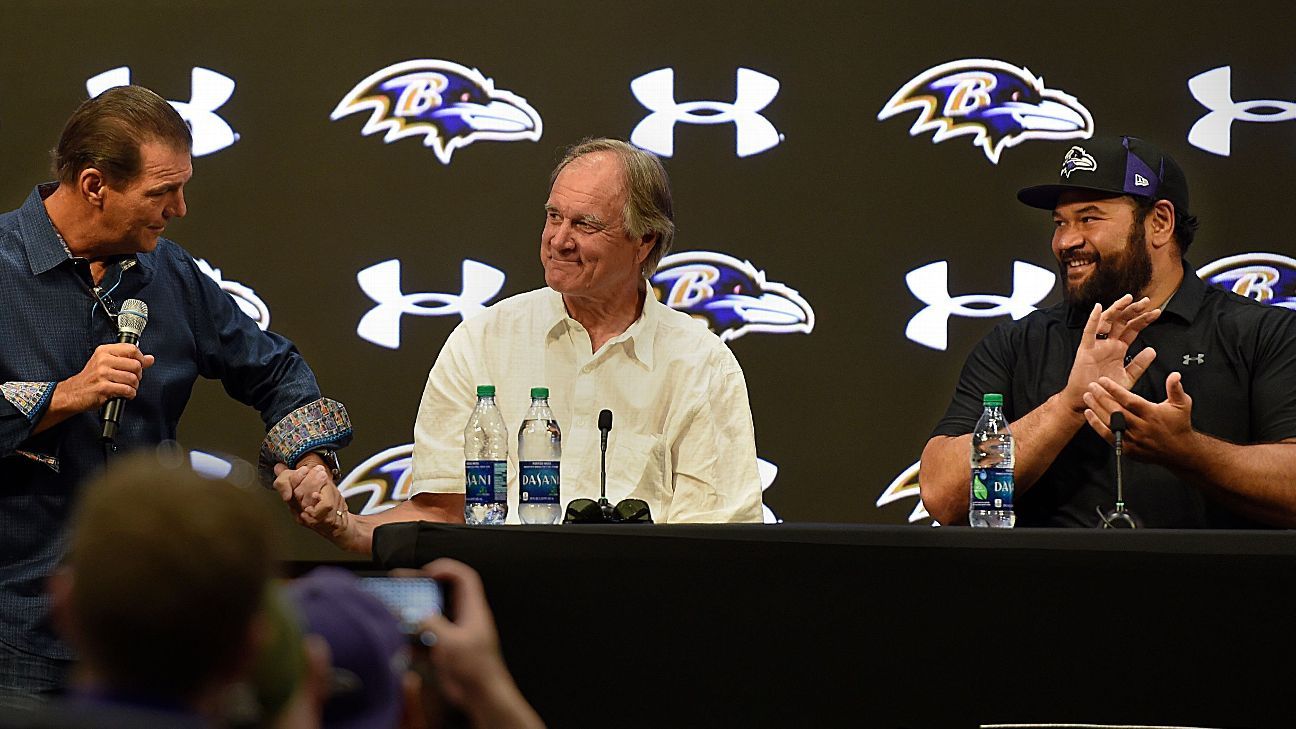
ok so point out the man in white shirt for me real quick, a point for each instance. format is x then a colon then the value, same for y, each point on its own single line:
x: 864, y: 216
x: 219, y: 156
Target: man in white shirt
x: 597, y: 338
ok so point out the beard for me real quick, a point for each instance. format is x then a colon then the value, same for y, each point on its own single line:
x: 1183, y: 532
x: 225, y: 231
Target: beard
x: 1127, y: 272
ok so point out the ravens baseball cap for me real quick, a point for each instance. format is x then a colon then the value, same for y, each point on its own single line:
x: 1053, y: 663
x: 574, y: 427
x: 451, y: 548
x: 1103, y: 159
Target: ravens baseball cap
x: 1118, y: 165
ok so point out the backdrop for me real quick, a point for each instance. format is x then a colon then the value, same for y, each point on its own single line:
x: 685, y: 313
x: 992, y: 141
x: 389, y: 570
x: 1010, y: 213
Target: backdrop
x: 366, y: 175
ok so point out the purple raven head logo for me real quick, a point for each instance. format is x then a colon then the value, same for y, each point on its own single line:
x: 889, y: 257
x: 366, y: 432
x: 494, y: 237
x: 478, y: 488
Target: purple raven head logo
x: 1269, y: 278
x: 1001, y: 105
x: 730, y: 295
x: 383, y: 480
x: 452, y: 106
x: 1078, y: 159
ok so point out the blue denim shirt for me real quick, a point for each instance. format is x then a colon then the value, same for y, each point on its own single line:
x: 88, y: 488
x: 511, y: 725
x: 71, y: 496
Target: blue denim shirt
x: 51, y: 324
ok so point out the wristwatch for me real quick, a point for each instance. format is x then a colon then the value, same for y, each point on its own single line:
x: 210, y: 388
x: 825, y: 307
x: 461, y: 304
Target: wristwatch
x: 331, y: 461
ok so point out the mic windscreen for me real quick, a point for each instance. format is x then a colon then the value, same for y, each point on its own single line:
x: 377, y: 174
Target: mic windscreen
x: 133, y: 317
x: 605, y: 420
x: 1117, y: 421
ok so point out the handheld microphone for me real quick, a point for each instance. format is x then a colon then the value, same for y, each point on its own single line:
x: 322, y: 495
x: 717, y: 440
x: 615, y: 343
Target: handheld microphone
x: 130, y: 324
x: 605, y: 426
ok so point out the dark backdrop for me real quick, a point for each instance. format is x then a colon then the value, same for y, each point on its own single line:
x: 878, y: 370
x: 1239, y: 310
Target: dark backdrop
x: 841, y: 209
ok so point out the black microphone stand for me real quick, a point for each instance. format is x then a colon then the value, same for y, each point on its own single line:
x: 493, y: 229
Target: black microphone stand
x: 605, y: 426
x: 1118, y: 518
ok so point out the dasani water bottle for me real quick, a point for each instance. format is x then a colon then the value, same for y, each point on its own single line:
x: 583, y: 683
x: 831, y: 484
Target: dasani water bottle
x: 485, y: 462
x: 539, y: 453
x: 991, y: 502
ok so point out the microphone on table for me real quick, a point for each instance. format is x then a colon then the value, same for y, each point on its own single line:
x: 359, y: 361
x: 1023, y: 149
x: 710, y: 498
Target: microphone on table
x: 1118, y: 518
x: 605, y: 426
x: 130, y: 324
x: 589, y: 511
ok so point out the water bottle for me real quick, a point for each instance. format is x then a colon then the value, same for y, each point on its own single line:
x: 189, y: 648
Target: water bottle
x: 991, y: 503
x: 485, y: 462
x: 539, y: 451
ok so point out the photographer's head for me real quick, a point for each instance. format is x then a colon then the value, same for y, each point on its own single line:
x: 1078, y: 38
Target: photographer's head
x: 371, y: 686
x: 165, y: 582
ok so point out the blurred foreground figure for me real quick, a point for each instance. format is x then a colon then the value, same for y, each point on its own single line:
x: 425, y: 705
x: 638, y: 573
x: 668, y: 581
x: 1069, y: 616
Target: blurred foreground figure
x: 375, y: 679
x: 162, y: 596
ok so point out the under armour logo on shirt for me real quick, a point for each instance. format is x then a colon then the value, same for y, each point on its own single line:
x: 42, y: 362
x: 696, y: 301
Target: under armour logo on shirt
x: 1199, y: 358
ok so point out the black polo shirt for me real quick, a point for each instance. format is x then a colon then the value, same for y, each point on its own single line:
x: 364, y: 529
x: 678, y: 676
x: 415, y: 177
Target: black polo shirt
x: 1238, y: 361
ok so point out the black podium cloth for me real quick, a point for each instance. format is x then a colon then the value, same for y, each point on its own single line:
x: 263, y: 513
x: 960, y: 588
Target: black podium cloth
x: 836, y: 625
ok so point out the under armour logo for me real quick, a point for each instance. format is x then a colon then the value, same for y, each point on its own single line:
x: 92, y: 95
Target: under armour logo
x: 381, y: 282
x: 656, y: 132
x: 930, y: 283
x: 208, y: 90
x: 1199, y: 358
x: 1214, y: 90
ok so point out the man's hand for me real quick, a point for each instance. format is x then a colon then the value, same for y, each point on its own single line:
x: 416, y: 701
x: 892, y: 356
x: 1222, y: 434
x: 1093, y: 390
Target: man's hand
x: 114, y: 370
x: 1155, y: 432
x: 314, y: 499
x: 1106, y: 339
x: 465, y: 652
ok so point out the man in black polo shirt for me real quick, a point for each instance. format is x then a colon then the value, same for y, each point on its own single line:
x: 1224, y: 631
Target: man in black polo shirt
x: 1206, y: 379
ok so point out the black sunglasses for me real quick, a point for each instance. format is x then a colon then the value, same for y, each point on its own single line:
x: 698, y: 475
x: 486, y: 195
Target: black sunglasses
x: 589, y: 511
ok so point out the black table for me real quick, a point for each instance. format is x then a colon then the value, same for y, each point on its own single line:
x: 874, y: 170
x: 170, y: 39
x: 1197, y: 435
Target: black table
x: 836, y: 625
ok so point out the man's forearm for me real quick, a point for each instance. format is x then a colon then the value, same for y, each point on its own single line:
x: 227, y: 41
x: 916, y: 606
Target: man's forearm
x: 1039, y: 436
x: 356, y: 533
x: 1257, y: 481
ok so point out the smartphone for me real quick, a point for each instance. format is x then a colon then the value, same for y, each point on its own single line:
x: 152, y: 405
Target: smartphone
x: 409, y: 598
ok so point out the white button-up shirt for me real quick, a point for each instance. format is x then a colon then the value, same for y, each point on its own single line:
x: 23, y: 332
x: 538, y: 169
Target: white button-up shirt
x: 682, y: 437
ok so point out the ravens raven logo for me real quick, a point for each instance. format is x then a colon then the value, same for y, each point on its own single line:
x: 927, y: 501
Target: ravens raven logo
x: 1078, y: 159
x: 732, y: 296
x: 1269, y: 278
x: 1001, y: 105
x: 246, y: 299
x: 452, y: 106
x: 902, y: 487
x: 383, y: 480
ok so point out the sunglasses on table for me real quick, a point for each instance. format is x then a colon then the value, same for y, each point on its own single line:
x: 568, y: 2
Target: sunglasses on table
x: 589, y: 511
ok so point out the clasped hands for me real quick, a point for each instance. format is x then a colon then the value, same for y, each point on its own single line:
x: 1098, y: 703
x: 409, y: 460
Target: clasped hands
x: 315, y: 500
x: 1100, y: 383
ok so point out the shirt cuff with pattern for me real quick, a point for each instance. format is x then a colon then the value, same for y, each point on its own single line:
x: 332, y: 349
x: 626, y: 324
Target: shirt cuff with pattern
x: 31, y: 399
x: 318, y: 424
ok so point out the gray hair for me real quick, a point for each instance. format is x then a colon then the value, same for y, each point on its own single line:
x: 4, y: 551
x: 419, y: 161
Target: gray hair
x: 648, y: 207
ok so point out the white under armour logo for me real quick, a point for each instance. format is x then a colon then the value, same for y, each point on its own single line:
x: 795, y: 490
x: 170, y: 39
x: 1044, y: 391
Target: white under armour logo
x: 656, y: 132
x: 208, y: 90
x: 381, y: 282
x: 1199, y: 358
x: 1213, y: 89
x: 930, y: 283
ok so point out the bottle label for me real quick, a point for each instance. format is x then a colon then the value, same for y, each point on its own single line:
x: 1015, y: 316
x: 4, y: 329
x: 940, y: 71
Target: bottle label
x: 539, y: 482
x: 992, y: 488
x: 486, y: 482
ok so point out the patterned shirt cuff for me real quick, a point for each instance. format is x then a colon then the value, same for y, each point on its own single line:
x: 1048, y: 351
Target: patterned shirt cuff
x: 29, y: 397
x: 321, y: 423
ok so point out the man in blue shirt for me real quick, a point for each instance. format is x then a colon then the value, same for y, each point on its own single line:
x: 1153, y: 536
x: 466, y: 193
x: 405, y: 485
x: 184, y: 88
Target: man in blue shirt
x: 69, y: 256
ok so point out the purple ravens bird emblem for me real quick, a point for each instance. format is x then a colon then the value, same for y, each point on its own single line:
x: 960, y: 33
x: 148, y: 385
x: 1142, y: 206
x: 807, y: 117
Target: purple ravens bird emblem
x: 733, y: 297
x: 382, y: 480
x: 997, y: 103
x: 451, y: 105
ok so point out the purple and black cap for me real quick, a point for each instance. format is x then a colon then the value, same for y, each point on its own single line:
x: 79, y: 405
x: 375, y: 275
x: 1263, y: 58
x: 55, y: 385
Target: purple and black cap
x: 1116, y: 165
